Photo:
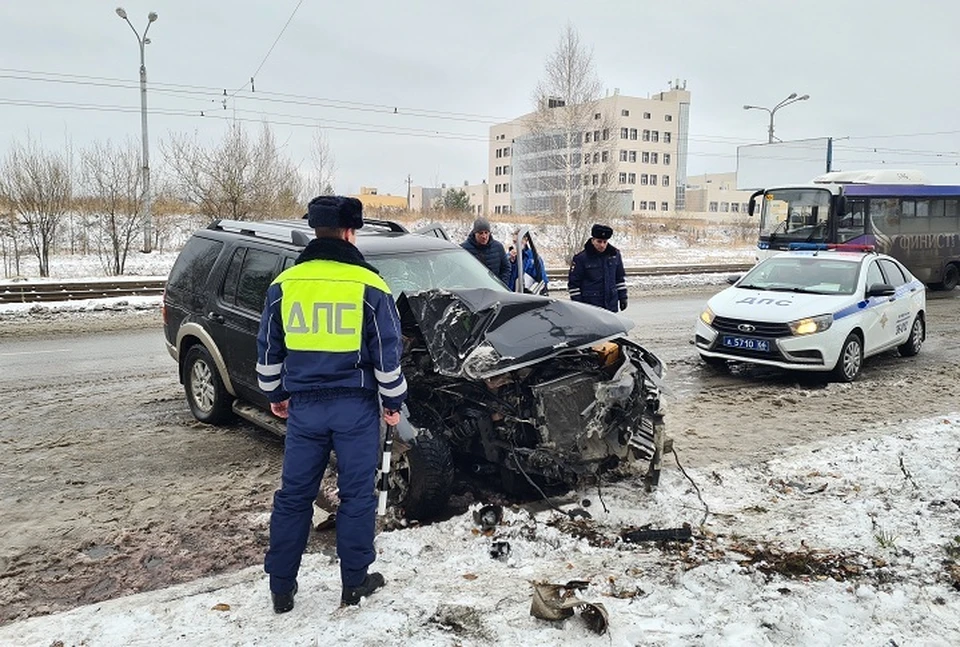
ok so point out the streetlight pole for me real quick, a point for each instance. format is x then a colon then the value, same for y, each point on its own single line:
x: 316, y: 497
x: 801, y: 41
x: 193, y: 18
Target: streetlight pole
x: 145, y: 146
x: 793, y: 98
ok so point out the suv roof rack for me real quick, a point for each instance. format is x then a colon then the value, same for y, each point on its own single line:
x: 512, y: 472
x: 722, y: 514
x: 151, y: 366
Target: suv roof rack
x: 265, y: 230
x: 389, y: 225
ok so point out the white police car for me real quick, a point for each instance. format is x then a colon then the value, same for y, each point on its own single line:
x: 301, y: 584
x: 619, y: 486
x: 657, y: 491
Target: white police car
x: 816, y: 308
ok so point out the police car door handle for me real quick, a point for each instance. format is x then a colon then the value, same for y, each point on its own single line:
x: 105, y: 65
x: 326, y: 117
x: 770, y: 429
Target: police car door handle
x: 213, y: 316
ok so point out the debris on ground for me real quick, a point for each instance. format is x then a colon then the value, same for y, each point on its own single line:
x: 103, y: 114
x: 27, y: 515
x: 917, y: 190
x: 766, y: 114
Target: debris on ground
x: 558, y: 601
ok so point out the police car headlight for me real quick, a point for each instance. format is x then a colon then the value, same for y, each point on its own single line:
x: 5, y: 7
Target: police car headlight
x: 811, y: 325
x: 707, y: 316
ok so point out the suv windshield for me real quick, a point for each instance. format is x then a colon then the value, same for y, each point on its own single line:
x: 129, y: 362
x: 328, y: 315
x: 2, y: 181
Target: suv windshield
x: 803, y: 274
x: 414, y: 272
x: 795, y: 214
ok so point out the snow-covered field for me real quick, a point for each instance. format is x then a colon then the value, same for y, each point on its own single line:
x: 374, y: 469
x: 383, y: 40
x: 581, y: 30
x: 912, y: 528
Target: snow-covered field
x: 852, y: 541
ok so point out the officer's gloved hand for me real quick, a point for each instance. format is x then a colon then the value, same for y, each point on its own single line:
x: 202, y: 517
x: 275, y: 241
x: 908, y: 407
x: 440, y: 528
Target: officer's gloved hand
x: 623, y: 303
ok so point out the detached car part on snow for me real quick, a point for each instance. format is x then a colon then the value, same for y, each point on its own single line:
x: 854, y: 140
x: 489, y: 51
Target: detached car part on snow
x: 534, y: 390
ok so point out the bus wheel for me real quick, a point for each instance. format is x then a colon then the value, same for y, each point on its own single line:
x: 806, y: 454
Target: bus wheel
x: 951, y: 276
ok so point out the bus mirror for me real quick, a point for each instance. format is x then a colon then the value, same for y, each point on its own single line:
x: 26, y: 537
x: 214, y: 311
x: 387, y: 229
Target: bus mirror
x: 750, y: 205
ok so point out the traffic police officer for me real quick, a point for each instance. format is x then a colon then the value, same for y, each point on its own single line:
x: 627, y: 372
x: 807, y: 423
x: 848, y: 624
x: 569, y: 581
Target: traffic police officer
x: 329, y: 341
x: 596, y: 274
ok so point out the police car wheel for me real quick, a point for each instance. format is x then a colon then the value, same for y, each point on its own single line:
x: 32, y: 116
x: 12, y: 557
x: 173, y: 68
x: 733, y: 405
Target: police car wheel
x: 912, y: 346
x: 851, y: 359
x: 208, y: 399
x: 427, y: 473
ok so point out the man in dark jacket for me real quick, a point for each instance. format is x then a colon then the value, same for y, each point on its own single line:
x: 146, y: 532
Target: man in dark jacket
x: 329, y: 345
x: 488, y: 251
x: 596, y: 274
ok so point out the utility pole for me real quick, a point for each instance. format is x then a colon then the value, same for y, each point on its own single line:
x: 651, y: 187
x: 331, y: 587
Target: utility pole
x: 408, y: 191
x: 145, y: 146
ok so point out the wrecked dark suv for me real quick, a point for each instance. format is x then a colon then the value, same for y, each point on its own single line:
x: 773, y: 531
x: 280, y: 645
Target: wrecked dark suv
x: 533, y: 391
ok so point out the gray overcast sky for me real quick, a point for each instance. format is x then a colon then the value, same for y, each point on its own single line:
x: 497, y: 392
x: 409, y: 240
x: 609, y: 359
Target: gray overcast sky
x: 873, y: 69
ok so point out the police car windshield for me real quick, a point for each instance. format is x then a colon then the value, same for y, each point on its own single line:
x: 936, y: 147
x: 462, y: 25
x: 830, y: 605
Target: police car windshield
x: 448, y: 269
x: 813, y: 274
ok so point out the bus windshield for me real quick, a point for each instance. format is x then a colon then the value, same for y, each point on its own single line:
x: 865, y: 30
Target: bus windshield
x: 795, y: 214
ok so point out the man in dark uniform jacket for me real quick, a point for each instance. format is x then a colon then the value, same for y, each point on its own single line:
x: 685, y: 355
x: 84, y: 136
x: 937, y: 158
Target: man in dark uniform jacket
x: 596, y: 274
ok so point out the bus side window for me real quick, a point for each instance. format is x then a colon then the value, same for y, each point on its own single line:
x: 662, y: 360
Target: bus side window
x: 851, y: 223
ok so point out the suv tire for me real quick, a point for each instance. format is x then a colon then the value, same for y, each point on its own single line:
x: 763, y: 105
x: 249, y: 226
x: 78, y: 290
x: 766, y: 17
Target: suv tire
x: 427, y: 471
x: 208, y: 399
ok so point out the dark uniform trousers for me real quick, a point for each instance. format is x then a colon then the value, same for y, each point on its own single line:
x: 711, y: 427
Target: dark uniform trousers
x: 350, y: 425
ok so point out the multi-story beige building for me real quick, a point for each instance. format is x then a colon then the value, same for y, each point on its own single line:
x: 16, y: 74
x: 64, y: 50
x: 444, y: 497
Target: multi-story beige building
x: 716, y: 193
x: 631, y: 148
x: 423, y: 198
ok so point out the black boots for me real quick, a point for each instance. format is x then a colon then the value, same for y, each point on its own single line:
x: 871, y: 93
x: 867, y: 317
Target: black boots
x: 351, y: 596
x: 283, y: 602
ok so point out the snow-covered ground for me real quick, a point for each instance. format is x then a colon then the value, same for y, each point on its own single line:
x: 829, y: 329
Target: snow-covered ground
x: 851, y: 541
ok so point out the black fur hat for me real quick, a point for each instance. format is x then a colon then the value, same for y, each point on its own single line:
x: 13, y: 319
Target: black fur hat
x: 335, y: 211
x: 601, y: 231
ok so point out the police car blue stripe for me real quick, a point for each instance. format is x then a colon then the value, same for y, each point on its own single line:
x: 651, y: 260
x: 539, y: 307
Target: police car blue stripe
x: 873, y: 302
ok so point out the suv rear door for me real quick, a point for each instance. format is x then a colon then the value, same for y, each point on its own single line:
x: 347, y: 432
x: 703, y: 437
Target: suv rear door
x: 237, y: 311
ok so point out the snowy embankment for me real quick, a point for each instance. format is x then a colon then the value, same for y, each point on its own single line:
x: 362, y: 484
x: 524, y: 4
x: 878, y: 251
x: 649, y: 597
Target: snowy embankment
x: 850, y: 541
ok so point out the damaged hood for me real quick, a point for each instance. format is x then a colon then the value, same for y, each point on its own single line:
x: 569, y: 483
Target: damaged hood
x: 479, y: 333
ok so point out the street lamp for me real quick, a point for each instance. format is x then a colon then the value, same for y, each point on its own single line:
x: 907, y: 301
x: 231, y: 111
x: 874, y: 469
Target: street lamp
x: 147, y: 215
x: 793, y: 98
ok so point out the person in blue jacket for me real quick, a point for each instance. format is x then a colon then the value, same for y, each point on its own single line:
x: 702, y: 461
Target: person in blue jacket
x: 534, y: 271
x: 596, y: 274
x: 488, y: 251
x: 329, y: 345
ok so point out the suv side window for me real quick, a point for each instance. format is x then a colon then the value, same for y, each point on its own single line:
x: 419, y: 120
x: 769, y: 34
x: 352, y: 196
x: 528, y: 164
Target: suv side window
x: 892, y: 271
x: 248, y: 277
x: 188, y: 277
x: 874, y: 275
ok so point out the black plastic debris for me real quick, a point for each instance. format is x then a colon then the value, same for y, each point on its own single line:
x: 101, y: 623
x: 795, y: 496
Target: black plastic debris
x: 500, y: 550
x: 662, y: 534
x: 488, y: 517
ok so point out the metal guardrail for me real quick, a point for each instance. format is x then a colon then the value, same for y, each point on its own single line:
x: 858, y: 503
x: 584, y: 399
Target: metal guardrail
x: 79, y: 290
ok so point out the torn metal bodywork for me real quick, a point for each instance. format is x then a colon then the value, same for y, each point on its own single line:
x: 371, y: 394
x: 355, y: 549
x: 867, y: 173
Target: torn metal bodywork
x: 531, y: 388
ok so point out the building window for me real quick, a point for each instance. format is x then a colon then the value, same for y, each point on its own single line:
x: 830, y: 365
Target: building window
x: 586, y: 137
x: 666, y: 180
x: 623, y: 156
x: 624, y: 113
x: 643, y: 205
x: 596, y: 135
x: 666, y: 158
x: 653, y: 180
x: 644, y: 179
x: 653, y: 158
x: 745, y: 208
x: 506, y: 152
x: 632, y: 178
x: 664, y: 206
x: 668, y: 117
x: 496, y: 209
x: 713, y: 207
x: 596, y: 158
x: 603, y: 179
x: 655, y: 136
x: 646, y: 135
x: 596, y: 115
x: 666, y: 137
x: 623, y: 178
x: 586, y: 158
x: 604, y: 156
x: 506, y: 209
x: 506, y: 187
x: 633, y: 156
x: 499, y: 153
x: 633, y: 133
x: 653, y: 205
x: 734, y: 207
x: 624, y: 133
x: 645, y: 157
x: 506, y: 170
x: 586, y: 180
x: 606, y: 134
x: 595, y: 179
x: 724, y: 207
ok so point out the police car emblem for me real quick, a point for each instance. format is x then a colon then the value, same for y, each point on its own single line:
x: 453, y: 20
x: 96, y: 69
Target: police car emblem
x: 745, y: 327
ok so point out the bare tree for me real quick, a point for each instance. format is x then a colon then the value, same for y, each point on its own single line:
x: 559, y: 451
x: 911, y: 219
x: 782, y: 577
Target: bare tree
x: 565, y: 165
x: 112, y: 183
x: 238, y: 179
x: 38, y: 186
x: 320, y: 177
